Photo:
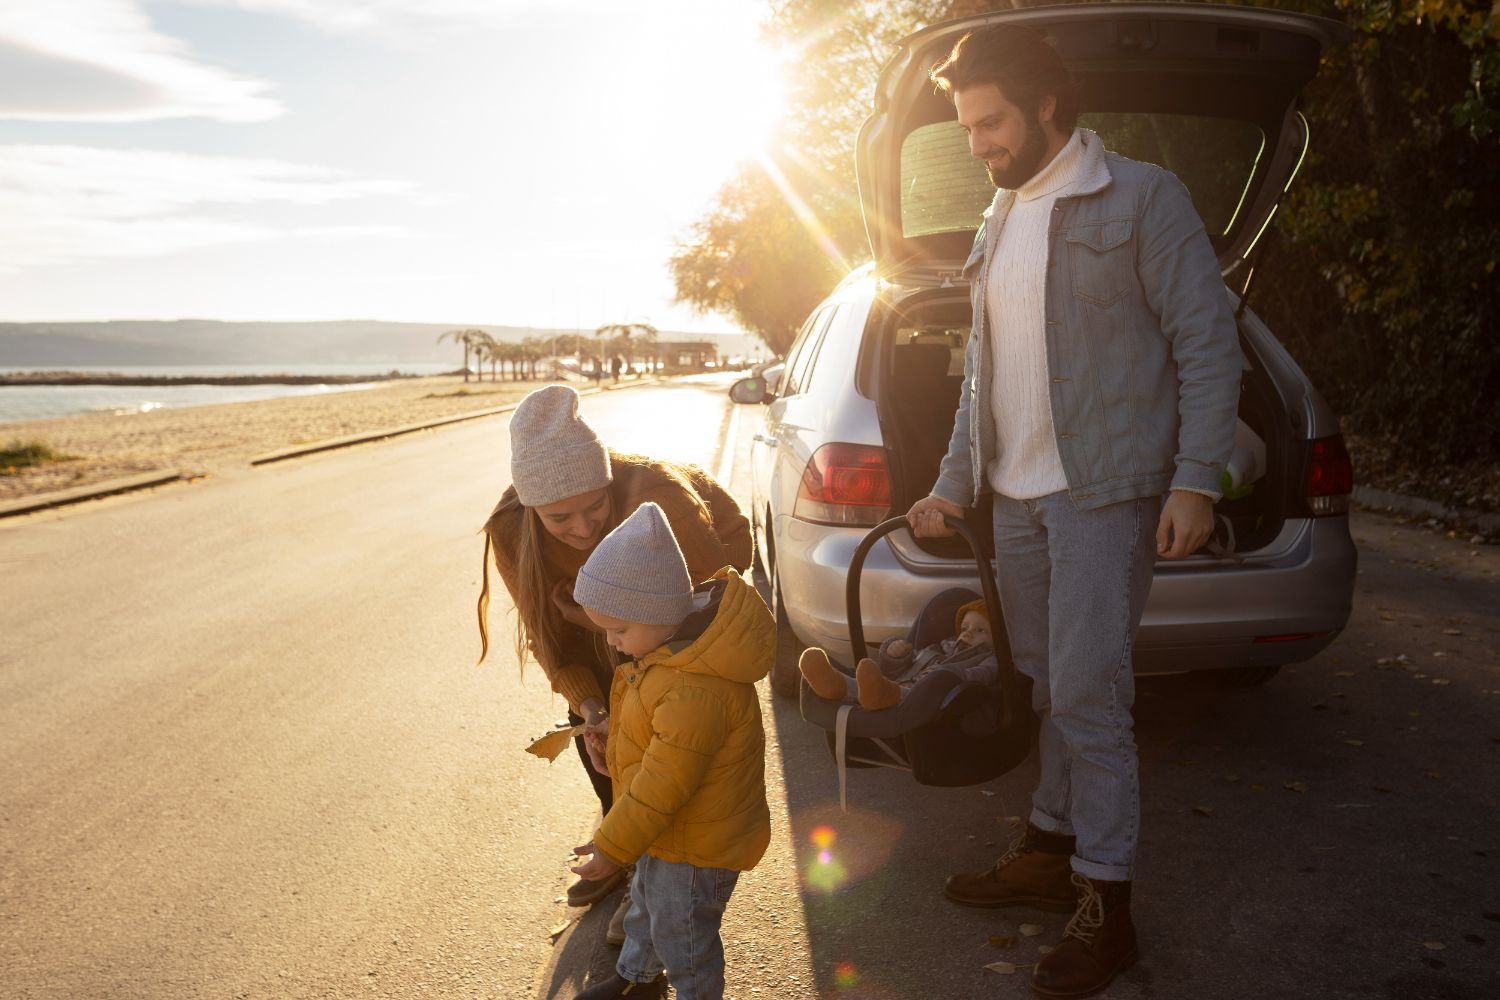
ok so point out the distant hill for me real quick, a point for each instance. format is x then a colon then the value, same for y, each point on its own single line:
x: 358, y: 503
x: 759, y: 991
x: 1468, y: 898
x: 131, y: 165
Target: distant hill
x: 212, y: 342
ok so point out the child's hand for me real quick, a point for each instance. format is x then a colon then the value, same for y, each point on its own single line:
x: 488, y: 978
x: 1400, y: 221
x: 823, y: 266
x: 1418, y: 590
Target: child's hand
x: 598, y: 867
x: 898, y: 647
x: 594, y: 740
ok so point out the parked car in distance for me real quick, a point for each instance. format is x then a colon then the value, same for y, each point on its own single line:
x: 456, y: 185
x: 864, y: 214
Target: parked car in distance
x: 861, y: 415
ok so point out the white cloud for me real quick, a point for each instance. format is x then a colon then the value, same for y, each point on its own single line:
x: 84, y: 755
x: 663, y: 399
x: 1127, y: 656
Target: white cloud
x: 101, y: 60
x: 71, y: 203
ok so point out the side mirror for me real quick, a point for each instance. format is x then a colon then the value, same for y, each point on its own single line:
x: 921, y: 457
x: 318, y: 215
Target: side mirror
x: 748, y: 390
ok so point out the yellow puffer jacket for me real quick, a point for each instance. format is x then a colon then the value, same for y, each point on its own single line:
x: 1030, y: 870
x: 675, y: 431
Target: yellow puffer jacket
x: 686, y: 749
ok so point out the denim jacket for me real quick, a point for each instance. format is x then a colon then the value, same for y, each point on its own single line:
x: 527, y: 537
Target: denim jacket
x: 1142, y: 354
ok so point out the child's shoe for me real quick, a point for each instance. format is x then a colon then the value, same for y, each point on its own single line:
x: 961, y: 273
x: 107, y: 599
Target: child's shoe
x: 876, y: 690
x: 822, y: 676
x: 617, y: 987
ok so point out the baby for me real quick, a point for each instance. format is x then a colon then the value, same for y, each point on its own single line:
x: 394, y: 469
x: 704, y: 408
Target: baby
x: 685, y: 749
x: 970, y: 654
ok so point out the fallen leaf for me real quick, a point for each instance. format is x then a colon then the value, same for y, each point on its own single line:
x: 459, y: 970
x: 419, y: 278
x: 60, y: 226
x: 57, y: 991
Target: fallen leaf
x: 1046, y: 949
x: 1441, y: 681
x: 1453, y: 631
x: 986, y: 791
x: 1434, y: 945
x: 1257, y: 787
x: 1295, y: 786
x: 1438, y: 654
x: 1386, y: 616
x: 554, y: 743
x: 1004, y: 968
x: 1030, y: 930
x: 1433, y: 774
x: 1002, y: 941
x: 1231, y: 778
x: 1343, y: 673
x: 1204, y: 810
x: 557, y: 931
x: 1355, y: 743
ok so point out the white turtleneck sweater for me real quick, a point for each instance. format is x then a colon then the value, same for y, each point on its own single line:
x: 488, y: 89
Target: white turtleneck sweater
x: 1027, y: 464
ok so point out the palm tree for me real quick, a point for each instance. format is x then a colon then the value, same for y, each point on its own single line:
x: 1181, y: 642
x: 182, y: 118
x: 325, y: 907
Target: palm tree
x: 620, y: 336
x: 469, y: 338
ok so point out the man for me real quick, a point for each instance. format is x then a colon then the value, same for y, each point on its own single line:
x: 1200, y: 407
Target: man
x: 1103, y: 371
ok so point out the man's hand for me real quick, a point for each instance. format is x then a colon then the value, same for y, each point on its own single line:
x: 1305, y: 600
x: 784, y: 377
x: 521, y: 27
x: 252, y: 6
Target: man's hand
x: 926, y: 517
x: 598, y: 867
x: 1187, y: 519
x: 562, y: 599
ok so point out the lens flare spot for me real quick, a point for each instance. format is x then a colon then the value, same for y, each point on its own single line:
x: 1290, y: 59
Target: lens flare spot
x: 845, y: 975
x: 823, y: 836
x: 826, y: 873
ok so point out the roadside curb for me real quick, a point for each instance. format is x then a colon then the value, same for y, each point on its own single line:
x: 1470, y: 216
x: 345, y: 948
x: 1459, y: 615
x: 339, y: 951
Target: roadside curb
x: 63, y: 498
x: 329, y: 444
x: 1396, y: 503
x: 94, y: 491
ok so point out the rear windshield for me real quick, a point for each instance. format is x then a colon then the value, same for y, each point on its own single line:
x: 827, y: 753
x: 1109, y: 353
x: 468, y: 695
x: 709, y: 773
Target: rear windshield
x: 944, y: 189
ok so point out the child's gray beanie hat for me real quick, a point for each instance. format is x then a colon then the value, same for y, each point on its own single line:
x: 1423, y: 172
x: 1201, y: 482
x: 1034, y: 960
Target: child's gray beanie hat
x: 637, y: 573
x: 554, y: 455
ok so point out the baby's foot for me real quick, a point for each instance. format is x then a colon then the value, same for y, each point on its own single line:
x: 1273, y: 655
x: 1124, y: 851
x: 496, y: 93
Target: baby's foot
x: 823, y: 677
x: 875, y: 689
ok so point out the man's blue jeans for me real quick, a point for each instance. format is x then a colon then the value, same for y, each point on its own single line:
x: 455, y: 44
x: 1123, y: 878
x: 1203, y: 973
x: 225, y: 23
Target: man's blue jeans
x: 1073, y: 585
x: 673, y: 923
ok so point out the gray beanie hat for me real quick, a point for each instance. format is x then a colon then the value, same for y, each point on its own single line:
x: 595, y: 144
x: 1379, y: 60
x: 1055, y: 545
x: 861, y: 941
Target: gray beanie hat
x: 554, y: 455
x: 637, y: 573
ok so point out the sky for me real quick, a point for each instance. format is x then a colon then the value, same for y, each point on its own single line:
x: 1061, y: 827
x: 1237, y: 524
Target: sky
x: 517, y: 162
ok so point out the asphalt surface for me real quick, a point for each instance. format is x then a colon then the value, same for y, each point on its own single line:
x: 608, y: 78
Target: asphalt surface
x: 244, y: 752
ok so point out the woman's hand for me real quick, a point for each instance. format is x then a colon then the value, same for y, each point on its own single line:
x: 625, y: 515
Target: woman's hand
x: 562, y: 599
x: 598, y: 867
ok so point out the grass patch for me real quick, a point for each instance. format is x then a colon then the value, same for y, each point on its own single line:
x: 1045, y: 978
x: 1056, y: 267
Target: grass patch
x: 19, y: 454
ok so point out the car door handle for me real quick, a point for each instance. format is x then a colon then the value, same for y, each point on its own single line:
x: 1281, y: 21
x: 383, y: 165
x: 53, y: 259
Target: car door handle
x: 768, y: 442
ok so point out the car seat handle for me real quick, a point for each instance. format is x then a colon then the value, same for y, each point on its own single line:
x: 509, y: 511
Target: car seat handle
x: 1000, y: 638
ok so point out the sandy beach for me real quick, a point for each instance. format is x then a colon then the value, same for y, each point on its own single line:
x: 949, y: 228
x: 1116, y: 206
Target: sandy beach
x: 221, y: 440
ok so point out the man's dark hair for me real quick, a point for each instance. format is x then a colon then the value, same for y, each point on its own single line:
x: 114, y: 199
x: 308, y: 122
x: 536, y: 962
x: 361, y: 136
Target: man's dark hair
x: 1019, y: 61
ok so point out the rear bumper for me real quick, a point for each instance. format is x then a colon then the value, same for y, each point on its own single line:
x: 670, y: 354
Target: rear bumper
x: 1202, y: 614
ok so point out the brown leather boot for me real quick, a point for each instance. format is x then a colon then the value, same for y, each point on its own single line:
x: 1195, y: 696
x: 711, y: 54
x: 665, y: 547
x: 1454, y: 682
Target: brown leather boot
x: 1098, y: 944
x: 1033, y: 871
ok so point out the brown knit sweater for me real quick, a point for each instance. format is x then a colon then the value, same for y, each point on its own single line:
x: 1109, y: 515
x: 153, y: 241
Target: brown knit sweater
x: 709, y: 526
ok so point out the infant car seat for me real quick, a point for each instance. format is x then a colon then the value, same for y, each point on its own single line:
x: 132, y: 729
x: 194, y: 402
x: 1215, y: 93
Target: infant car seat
x: 946, y: 731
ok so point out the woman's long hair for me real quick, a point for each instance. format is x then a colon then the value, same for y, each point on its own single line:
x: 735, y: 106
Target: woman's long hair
x: 538, y: 623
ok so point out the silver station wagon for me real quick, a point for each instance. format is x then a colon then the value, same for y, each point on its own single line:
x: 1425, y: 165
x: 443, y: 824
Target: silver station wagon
x: 859, y: 418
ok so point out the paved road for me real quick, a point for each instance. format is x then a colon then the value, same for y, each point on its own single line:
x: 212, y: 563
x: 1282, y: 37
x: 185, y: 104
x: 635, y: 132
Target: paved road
x: 243, y: 752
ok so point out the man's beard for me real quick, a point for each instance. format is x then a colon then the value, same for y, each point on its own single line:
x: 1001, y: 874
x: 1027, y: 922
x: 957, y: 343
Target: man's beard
x: 1024, y: 162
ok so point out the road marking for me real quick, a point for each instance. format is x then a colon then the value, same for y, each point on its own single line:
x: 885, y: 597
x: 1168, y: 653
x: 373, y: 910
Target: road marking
x: 725, y: 467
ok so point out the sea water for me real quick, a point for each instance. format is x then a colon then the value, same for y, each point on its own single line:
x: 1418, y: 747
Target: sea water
x: 39, y: 402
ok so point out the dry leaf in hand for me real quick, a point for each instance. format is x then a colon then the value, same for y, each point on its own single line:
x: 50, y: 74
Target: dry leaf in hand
x: 1004, y: 968
x: 1030, y: 930
x: 554, y: 743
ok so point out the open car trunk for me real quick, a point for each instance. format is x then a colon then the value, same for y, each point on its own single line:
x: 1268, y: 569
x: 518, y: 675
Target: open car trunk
x: 918, y: 368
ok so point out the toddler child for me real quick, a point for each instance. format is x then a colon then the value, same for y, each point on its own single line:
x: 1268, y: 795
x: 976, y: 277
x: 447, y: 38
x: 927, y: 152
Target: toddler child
x: 685, y: 750
x: 970, y: 654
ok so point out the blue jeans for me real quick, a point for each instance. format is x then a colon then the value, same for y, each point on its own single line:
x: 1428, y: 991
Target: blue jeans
x: 1073, y: 585
x: 673, y: 924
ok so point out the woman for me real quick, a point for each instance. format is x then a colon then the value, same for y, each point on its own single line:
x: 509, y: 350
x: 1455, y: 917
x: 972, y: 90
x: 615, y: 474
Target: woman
x: 568, y: 491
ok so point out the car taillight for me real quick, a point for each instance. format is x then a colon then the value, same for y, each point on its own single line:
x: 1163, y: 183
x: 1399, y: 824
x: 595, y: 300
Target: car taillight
x: 846, y: 484
x: 1330, y: 476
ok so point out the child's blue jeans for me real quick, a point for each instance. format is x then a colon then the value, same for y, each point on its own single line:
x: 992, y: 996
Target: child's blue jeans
x: 673, y: 924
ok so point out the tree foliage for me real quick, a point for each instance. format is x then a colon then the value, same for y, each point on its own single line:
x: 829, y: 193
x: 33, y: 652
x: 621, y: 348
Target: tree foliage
x: 1378, y: 275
